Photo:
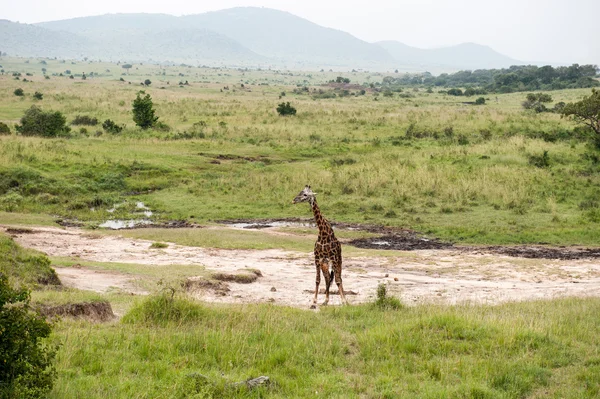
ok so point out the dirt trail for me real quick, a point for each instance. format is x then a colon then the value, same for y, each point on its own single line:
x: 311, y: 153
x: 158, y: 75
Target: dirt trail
x: 442, y: 276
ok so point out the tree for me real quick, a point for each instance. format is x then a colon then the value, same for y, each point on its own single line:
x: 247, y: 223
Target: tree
x: 26, y: 369
x: 126, y: 67
x: 38, y: 96
x: 587, y: 112
x: 535, y: 101
x: 36, y: 122
x: 284, y: 109
x: 147, y: 82
x: 143, y: 111
x: 480, y: 101
x: 19, y: 92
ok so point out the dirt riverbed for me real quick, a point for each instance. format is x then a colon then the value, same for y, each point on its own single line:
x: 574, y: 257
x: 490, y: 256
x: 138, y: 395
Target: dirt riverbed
x: 448, y: 275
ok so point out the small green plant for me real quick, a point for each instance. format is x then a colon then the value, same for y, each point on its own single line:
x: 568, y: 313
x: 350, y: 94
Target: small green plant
x: 4, y: 129
x: 27, y: 369
x: 111, y: 127
x: 38, y: 96
x: 384, y: 301
x: 36, y: 122
x: 19, y: 92
x: 536, y: 101
x: 285, y: 109
x: 540, y: 161
x: 143, y: 111
x: 84, y: 120
x: 159, y: 245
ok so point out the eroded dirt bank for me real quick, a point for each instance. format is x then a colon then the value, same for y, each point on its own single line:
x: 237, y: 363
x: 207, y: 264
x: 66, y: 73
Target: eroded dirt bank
x: 436, y: 275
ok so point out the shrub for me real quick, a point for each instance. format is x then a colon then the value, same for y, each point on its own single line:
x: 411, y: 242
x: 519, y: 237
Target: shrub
x: 38, y: 96
x: 586, y: 112
x: 164, y: 309
x: 4, y: 129
x: 84, y: 120
x: 455, y: 92
x: 143, y: 111
x: 284, y: 109
x: 19, y: 92
x: 27, y: 370
x: 540, y: 161
x: 162, y: 127
x: 384, y: 301
x: 535, y: 101
x: 480, y: 101
x: 147, y: 82
x: 36, y: 122
x: 111, y: 127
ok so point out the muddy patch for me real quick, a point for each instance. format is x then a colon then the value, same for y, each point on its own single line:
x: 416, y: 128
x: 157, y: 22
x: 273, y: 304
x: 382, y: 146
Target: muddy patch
x: 242, y: 278
x: 17, y: 230
x: 539, y: 252
x: 400, y: 242
x: 95, y: 311
x: 310, y: 222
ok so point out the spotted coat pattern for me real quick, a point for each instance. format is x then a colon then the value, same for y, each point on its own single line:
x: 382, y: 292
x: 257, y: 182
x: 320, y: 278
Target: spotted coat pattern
x: 328, y: 250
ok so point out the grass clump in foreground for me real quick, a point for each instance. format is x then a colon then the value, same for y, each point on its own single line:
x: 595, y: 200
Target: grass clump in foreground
x: 25, y: 266
x: 168, y: 346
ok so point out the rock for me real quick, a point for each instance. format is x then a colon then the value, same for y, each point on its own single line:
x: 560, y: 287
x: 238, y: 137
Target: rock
x: 254, y: 382
x: 273, y: 289
x: 395, y: 278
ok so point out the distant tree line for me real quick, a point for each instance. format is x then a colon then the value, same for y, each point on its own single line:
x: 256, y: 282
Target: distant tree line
x: 507, y: 80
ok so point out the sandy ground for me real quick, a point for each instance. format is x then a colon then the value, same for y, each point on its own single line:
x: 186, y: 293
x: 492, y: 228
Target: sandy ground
x: 439, y: 276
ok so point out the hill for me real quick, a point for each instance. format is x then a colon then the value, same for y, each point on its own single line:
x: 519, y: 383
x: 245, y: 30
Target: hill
x: 462, y: 56
x: 248, y: 36
x: 291, y: 39
x: 32, y: 41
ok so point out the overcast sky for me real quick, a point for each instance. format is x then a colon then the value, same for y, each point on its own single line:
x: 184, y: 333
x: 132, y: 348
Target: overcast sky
x: 527, y: 30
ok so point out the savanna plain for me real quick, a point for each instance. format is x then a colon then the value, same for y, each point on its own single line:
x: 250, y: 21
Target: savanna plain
x: 416, y: 163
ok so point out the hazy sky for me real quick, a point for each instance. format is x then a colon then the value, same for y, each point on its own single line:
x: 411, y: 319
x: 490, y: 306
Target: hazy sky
x: 527, y: 30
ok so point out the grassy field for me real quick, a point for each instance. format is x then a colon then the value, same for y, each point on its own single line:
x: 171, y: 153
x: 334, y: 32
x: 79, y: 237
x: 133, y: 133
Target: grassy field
x: 177, y: 349
x: 427, y: 162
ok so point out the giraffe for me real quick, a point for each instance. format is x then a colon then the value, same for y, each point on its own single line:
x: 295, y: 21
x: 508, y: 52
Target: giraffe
x: 328, y: 251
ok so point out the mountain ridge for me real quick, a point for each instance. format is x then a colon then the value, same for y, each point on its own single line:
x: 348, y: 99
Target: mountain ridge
x: 250, y: 36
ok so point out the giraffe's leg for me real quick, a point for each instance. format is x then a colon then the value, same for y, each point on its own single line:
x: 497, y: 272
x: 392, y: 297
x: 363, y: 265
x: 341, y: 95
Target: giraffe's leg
x: 318, y: 281
x: 337, y: 269
x: 328, y: 280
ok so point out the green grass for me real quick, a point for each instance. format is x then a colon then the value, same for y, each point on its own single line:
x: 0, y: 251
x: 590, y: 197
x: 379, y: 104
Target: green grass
x: 429, y: 163
x: 24, y: 266
x: 162, y: 346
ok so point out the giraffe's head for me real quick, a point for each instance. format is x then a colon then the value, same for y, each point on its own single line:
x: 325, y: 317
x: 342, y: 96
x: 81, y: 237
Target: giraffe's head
x: 305, y: 195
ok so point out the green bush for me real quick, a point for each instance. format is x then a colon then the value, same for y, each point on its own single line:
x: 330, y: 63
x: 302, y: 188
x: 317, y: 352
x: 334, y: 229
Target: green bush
x: 111, y: 127
x: 19, y: 92
x: 36, y: 122
x: 38, y: 96
x: 480, y: 101
x: 4, y: 129
x: 163, y: 309
x: 284, y: 109
x: 384, y: 301
x: 143, y: 111
x: 26, y: 361
x: 84, y: 120
x: 25, y: 266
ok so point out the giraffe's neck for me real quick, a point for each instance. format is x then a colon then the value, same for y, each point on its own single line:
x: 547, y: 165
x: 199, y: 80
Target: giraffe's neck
x: 322, y: 223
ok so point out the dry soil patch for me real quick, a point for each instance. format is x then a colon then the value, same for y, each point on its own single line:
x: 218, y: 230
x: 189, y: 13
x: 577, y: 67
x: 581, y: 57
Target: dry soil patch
x: 447, y: 276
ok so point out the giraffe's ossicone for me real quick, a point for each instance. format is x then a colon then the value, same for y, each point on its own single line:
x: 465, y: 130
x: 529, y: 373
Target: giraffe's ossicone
x: 328, y: 251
